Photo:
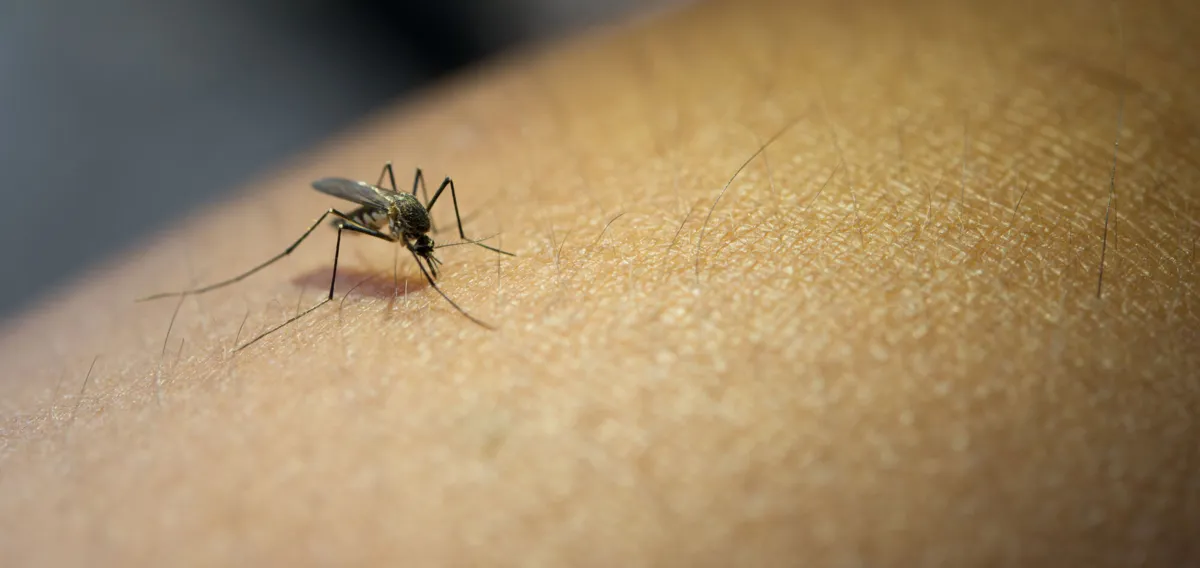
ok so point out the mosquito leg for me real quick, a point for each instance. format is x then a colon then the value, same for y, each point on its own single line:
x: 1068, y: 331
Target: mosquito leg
x: 387, y: 169
x: 419, y: 179
x: 357, y: 213
x: 282, y: 325
x: 433, y: 285
x: 337, y: 251
x: 345, y: 225
x: 466, y: 242
x: 269, y: 261
x: 454, y: 198
x: 356, y: 228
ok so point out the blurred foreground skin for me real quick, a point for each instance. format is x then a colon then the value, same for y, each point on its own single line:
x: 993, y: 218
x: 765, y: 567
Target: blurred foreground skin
x: 887, y: 349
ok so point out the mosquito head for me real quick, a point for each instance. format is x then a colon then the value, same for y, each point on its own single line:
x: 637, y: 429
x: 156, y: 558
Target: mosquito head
x: 422, y: 246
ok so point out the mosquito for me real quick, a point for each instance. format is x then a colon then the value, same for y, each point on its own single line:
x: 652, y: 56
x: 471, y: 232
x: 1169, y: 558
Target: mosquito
x: 402, y: 214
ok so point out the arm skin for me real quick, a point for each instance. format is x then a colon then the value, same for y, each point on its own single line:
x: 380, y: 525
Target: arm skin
x: 878, y: 371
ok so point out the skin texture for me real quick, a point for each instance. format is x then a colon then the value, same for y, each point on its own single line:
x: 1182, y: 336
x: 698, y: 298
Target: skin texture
x: 882, y: 344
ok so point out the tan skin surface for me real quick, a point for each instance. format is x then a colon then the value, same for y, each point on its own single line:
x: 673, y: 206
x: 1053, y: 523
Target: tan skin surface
x: 841, y: 361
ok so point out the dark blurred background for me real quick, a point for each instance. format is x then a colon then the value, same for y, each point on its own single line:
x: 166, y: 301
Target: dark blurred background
x: 105, y: 103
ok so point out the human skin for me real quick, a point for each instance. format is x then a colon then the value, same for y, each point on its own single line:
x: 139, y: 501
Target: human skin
x: 884, y: 343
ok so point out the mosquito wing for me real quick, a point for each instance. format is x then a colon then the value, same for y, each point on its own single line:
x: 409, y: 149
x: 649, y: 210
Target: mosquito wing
x: 359, y: 192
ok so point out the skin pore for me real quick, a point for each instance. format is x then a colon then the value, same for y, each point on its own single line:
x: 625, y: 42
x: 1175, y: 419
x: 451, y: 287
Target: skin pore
x: 883, y: 345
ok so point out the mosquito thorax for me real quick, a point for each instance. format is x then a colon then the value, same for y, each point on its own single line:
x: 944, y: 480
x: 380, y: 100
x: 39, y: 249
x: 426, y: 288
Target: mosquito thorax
x: 409, y: 215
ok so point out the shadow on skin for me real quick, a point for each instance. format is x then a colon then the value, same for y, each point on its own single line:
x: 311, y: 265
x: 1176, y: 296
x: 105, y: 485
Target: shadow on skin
x: 372, y: 283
